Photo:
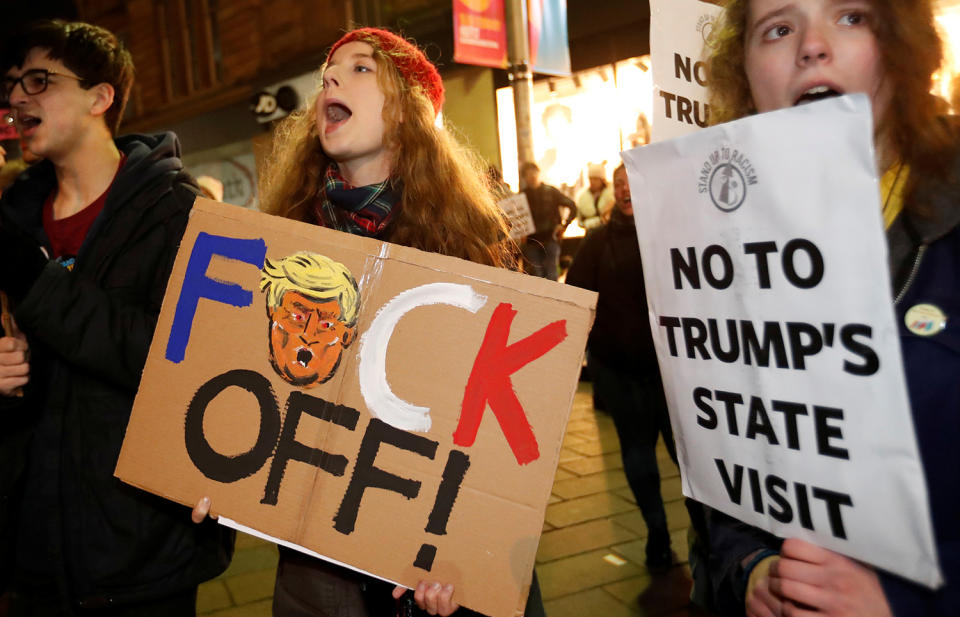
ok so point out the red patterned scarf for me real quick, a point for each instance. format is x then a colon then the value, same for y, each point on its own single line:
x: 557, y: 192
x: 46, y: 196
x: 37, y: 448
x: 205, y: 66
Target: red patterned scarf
x: 360, y: 210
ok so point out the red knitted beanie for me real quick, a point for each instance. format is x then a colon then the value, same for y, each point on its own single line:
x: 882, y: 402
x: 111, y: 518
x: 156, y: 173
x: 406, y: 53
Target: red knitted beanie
x: 409, y: 60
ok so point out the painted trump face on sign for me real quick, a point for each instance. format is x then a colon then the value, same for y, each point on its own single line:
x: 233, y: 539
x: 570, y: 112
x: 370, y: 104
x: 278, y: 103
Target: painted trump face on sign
x: 312, y: 304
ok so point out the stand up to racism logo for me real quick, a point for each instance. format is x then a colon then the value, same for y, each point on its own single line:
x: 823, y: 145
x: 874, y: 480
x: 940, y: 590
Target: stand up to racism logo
x: 725, y: 175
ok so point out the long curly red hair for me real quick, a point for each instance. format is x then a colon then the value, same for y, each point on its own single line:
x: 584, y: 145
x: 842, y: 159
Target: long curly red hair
x: 447, y: 205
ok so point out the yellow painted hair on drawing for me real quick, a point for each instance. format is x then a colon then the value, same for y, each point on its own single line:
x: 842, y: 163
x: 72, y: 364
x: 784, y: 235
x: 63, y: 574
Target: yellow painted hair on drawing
x: 315, y: 276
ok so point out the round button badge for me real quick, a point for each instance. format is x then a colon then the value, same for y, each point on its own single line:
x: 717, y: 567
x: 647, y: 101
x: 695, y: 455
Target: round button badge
x: 925, y: 319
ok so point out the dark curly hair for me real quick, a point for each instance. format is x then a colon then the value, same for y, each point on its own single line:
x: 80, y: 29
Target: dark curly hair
x: 93, y: 53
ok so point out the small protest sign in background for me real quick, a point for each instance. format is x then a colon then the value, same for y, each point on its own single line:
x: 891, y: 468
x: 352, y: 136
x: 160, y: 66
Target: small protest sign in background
x: 390, y: 409
x: 771, y: 308
x: 679, y: 29
x: 517, y: 210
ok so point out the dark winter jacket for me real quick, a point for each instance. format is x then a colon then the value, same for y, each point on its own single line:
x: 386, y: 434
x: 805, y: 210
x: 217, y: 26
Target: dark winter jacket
x: 89, y: 332
x: 608, y: 262
x: 545, y: 203
x: 925, y: 268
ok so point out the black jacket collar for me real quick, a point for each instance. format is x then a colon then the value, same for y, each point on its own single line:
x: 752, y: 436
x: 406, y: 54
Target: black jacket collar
x: 151, y: 160
x: 910, y: 231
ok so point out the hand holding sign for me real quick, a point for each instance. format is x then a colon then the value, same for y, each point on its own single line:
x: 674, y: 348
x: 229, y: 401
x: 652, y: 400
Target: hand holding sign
x: 14, y: 353
x: 433, y: 597
x: 202, y: 510
x: 14, y: 365
x: 807, y: 575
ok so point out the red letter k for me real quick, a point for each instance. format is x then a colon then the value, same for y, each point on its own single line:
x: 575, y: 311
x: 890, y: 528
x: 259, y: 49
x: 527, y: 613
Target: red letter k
x: 490, y: 382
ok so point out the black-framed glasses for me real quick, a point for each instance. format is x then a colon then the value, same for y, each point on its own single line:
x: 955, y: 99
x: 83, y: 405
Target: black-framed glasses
x: 33, y: 81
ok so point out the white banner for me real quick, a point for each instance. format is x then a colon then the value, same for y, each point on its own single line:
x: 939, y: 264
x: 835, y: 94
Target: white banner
x: 769, y: 299
x: 518, y: 212
x: 678, y: 30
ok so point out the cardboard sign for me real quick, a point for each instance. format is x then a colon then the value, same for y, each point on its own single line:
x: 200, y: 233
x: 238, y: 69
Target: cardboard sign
x: 391, y: 409
x: 772, y: 314
x: 678, y: 31
x: 517, y: 210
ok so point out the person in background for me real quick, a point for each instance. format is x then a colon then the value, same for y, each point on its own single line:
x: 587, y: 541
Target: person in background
x: 364, y: 159
x: 552, y: 211
x: 595, y: 202
x: 87, y: 242
x: 210, y: 187
x: 623, y: 361
x: 771, y: 54
x: 641, y: 136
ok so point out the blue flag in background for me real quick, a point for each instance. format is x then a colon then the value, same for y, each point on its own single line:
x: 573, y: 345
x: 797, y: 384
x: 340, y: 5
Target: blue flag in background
x: 549, y: 51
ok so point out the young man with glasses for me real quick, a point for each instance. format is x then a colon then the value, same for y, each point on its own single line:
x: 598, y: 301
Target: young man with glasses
x: 87, y: 240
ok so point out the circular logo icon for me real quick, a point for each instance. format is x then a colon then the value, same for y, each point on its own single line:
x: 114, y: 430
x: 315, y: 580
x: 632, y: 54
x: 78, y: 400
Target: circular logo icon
x: 727, y: 187
x: 705, y: 27
x: 263, y: 103
x: 925, y: 319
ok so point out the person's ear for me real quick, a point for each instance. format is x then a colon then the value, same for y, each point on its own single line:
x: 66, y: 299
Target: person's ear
x: 102, y: 98
x: 348, y: 335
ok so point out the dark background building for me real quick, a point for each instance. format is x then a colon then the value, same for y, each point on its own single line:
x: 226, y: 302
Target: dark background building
x: 195, y: 57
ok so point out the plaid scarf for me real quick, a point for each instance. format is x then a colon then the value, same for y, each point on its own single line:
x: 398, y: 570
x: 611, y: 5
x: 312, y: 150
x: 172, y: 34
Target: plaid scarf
x: 360, y: 210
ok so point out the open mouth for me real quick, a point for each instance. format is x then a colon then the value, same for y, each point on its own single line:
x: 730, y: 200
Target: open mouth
x: 304, y: 356
x: 27, y: 123
x: 337, y: 114
x: 817, y: 93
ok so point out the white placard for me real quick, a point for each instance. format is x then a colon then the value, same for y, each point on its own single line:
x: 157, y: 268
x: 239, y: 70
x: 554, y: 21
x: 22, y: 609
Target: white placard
x: 517, y: 210
x: 678, y: 30
x: 770, y: 303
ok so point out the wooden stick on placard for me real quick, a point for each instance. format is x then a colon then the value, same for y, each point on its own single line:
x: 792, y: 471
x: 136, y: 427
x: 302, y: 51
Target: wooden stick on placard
x: 6, y: 320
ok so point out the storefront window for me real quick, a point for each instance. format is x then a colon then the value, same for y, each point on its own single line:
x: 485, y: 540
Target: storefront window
x: 593, y: 115
x: 587, y: 118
